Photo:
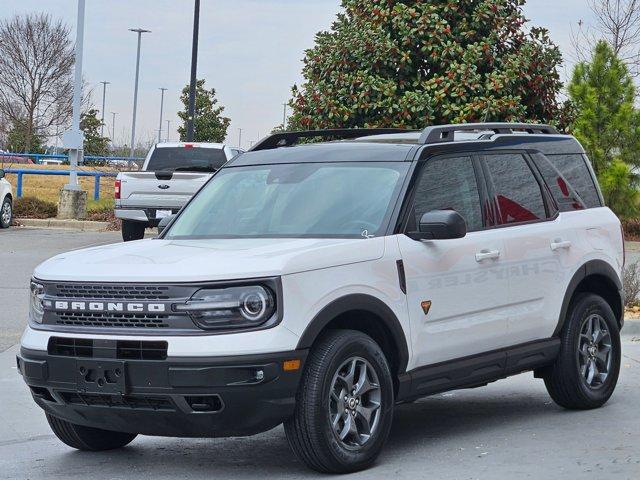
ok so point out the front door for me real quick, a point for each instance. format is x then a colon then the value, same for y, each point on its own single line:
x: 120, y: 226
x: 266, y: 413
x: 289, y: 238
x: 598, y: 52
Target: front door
x: 457, y: 290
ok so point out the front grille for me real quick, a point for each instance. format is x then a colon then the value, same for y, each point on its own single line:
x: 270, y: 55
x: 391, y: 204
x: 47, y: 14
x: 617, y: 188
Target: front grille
x: 132, y: 402
x: 114, y: 320
x: 120, y: 292
x: 118, y: 349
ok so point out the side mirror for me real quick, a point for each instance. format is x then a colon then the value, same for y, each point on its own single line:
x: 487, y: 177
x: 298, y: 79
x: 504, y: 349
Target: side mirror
x: 440, y: 225
x: 164, y: 222
x: 1, y: 173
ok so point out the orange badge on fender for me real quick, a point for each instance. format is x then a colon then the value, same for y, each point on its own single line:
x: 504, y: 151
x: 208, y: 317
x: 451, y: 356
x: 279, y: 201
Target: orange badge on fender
x: 426, y: 305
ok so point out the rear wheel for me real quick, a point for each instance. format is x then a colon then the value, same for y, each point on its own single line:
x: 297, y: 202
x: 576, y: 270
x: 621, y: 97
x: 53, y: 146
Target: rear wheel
x: 132, y: 230
x: 87, y: 438
x: 586, y: 371
x: 6, y: 213
x: 344, y: 405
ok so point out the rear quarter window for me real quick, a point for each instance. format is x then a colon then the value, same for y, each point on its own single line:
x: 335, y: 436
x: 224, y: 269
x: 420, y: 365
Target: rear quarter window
x: 574, y: 169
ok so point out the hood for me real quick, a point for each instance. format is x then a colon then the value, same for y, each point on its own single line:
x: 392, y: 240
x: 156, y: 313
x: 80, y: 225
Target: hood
x: 205, y: 260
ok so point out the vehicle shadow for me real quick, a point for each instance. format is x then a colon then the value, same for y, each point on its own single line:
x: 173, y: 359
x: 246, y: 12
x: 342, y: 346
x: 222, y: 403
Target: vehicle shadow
x: 422, y: 425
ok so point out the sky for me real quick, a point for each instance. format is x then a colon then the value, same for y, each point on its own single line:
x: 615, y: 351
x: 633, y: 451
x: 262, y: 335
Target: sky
x: 250, y: 51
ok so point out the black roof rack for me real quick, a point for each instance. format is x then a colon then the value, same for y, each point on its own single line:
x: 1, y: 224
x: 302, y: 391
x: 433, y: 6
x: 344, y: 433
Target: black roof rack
x: 445, y: 133
x: 288, y: 139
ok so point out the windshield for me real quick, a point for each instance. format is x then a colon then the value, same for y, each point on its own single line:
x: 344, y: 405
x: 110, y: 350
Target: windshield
x: 187, y: 159
x: 352, y: 200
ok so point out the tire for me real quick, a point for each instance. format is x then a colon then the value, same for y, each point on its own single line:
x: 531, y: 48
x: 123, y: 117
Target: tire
x: 6, y: 213
x: 567, y: 381
x: 87, y: 438
x: 310, y: 433
x: 132, y: 230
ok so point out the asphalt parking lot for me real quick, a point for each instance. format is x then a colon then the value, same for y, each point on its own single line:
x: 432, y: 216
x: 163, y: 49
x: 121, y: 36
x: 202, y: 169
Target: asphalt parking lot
x: 509, y: 429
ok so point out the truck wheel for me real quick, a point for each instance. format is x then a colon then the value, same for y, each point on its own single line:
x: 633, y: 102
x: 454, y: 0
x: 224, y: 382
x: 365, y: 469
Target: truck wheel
x: 586, y: 371
x: 87, y: 438
x: 344, y: 404
x: 132, y: 230
x: 6, y: 213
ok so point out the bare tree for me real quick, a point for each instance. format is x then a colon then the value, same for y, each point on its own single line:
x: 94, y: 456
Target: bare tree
x: 618, y: 22
x: 36, y: 65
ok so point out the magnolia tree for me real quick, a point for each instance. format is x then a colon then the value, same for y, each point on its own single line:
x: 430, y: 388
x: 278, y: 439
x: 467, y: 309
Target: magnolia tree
x: 411, y: 63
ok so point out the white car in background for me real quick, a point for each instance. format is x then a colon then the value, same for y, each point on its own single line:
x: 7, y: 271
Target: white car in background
x: 172, y: 173
x: 6, y: 202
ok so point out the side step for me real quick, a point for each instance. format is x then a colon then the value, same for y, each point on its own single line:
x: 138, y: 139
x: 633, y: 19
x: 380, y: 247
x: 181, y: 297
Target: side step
x: 477, y: 369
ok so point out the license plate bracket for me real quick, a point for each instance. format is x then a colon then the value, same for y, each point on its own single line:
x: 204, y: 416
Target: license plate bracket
x: 100, y: 376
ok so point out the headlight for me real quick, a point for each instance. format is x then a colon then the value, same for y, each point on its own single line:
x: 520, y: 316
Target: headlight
x: 36, y: 309
x: 233, y: 307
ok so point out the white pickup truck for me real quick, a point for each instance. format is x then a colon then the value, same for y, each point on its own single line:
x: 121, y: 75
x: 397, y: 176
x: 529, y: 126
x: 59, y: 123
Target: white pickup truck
x: 172, y: 173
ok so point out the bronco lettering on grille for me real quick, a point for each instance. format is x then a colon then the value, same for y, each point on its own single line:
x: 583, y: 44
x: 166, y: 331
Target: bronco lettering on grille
x: 61, y: 305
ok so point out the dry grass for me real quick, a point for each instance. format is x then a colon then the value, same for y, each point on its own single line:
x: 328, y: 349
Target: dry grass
x: 47, y: 187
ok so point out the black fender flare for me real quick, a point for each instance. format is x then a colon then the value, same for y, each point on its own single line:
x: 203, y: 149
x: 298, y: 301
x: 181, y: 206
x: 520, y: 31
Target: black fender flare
x: 592, y: 267
x: 359, y: 302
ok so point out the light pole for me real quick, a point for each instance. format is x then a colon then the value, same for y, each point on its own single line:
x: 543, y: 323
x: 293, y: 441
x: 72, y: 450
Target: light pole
x: 113, y: 128
x: 194, y: 69
x: 73, y: 138
x: 139, y: 31
x: 168, y: 123
x: 162, y: 90
x: 240, y: 138
x: 104, y: 96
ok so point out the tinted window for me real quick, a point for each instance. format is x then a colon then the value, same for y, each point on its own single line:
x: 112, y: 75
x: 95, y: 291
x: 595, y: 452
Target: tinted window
x: 574, y: 169
x: 517, y: 191
x: 449, y: 184
x: 563, y: 192
x: 192, y: 159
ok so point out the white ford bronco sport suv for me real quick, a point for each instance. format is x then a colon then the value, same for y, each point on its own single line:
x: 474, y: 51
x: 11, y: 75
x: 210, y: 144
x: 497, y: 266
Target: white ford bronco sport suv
x: 320, y: 285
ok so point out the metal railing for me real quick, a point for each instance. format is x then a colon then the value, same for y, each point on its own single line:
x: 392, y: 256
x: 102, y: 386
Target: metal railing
x: 41, y: 158
x: 19, y: 172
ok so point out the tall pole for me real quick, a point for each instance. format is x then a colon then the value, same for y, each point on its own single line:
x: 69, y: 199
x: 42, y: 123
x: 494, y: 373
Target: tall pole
x: 104, y: 96
x: 74, y: 139
x: 168, y: 135
x: 139, y: 31
x: 162, y: 89
x: 194, y: 69
x: 240, y: 138
x: 113, y: 128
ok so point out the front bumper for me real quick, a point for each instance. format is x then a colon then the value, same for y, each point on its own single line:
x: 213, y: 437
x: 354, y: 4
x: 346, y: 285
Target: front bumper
x: 178, y: 397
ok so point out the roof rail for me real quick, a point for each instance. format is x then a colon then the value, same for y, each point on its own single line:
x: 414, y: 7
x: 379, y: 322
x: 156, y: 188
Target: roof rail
x: 288, y: 139
x: 445, y: 133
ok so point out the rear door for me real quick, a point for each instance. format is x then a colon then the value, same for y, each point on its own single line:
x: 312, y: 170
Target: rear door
x: 538, y: 243
x: 457, y: 290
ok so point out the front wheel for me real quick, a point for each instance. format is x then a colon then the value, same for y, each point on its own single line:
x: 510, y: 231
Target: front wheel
x: 586, y: 371
x: 132, y: 230
x: 344, y: 405
x: 87, y: 438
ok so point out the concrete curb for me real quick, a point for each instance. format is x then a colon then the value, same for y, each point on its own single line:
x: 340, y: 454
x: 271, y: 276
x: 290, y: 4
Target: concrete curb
x: 81, y: 225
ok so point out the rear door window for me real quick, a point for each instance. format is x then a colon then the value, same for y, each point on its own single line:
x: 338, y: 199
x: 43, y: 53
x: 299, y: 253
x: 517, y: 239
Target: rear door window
x: 516, y: 190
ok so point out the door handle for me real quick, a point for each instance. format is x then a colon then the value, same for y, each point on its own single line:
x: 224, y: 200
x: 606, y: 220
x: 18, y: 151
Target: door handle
x: 559, y: 244
x: 487, y: 255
